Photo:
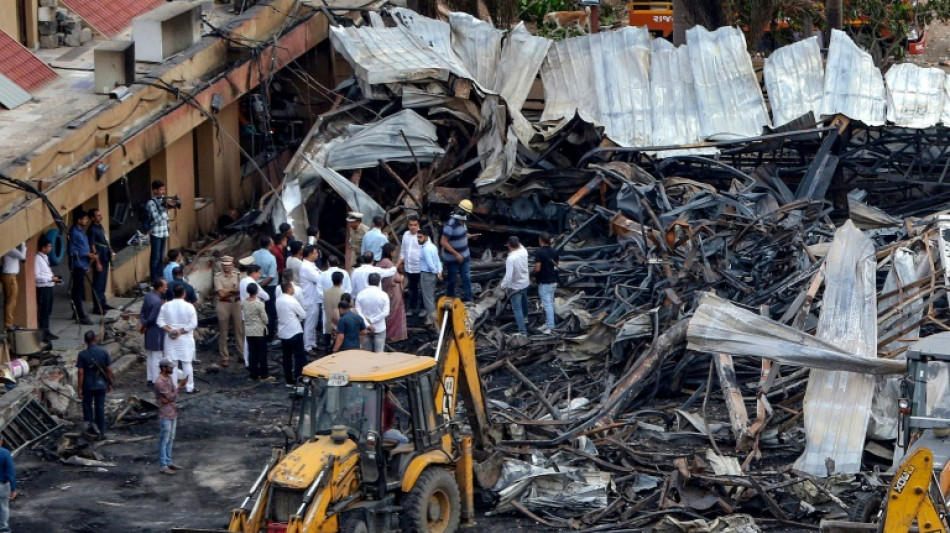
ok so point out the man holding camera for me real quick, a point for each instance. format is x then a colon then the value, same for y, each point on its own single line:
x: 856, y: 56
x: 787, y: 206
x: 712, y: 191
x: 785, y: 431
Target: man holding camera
x: 157, y: 208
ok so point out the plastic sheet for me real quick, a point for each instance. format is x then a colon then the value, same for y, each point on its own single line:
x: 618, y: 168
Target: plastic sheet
x: 915, y: 95
x: 854, y: 87
x: 794, y: 77
x: 719, y: 326
x: 837, y: 404
x: 605, y: 77
x: 383, y: 140
x: 728, y: 96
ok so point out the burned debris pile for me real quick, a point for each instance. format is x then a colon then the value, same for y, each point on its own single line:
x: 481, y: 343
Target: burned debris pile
x: 732, y: 311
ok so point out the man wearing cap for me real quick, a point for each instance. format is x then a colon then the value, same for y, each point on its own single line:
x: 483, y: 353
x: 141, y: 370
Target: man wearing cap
x: 358, y: 230
x: 179, y: 320
x: 228, y: 307
x: 374, y: 240
x: 166, y: 396
x: 455, y: 253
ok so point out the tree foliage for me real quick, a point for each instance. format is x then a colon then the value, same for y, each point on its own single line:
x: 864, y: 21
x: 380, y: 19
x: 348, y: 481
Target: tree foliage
x: 883, y: 26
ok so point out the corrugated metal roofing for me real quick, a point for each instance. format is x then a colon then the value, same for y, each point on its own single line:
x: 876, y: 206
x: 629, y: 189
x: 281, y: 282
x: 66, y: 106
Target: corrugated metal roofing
x: 915, y: 95
x: 521, y: 58
x: 110, y: 18
x: 435, y: 33
x: 728, y: 95
x: 478, y: 44
x: 606, y: 78
x: 11, y: 94
x: 382, y: 140
x: 795, y: 78
x: 21, y: 66
x: 854, y: 87
x: 673, y: 95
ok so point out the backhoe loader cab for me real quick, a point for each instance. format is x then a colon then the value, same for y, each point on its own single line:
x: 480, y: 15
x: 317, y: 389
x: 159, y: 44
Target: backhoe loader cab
x: 352, y: 469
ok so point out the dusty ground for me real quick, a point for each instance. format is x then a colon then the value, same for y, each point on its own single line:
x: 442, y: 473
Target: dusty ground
x: 938, y: 47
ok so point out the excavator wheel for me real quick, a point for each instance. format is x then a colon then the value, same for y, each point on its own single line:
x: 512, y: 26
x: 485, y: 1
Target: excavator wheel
x: 867, y: 508
x: 432, y: 506
x: 354, y: 525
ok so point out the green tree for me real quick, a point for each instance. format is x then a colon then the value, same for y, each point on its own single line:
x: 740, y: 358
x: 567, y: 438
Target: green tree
x: 883, y: 26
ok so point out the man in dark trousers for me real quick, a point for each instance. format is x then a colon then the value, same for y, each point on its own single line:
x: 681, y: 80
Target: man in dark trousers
x: 80, y: 258
x: 95, y: 380
x: 545, y: 271
x: 154, y: 335
x: 166, y: 396
x: 349, y: 328
x: 99, y: 242
x: 7, y: 486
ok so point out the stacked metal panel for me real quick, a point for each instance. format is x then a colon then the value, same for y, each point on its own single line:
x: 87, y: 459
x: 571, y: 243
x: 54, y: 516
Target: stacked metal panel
x: 404, y: 137
x: 915, y: 95
x: 728, y: 96
x: 854, y: 87
x: 521, y: 59
x: 605, y: 77
x: 795, y: 78
x: 673, y: 95
x: 478, y: 44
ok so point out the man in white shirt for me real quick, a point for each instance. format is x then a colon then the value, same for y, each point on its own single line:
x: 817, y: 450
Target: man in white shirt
x: 312, y: 295
x: 361, y: 274
x: 11, y: 267
x: 516, y: 281
x: 45, y: 280
x: 289, y: 316
x: 179, y: 319
x: 295, y: 259
x: 409, y: 255
x: 253, y: 274
x: 373, y: 305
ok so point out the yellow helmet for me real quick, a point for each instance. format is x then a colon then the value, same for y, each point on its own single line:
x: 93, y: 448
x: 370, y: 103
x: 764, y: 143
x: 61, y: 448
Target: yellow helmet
x: 466, y: 205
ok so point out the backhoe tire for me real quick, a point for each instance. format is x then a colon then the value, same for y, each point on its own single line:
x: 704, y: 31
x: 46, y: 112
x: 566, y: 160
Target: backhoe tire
x: 354, y: 525
x: 866, y: 508
x: 432, y: 506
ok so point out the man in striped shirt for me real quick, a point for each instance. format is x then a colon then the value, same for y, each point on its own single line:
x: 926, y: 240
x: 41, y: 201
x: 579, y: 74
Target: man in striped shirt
x: 455, y: 252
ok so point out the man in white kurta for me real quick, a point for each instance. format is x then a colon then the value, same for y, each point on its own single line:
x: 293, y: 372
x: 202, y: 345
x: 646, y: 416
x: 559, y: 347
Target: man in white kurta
x: 179, y: 319
x: 361, y: 274
x: 312, y: 296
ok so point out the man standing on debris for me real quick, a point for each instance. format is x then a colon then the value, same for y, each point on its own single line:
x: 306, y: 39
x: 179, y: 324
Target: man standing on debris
x: 289, y: 316
x: 310, y: 277
x: 430, y: 270
x: 545, y: 271
x: 99, y: 242
x: 253, y: 274
x: 157, y: 209
x: 175, y: 259
x: 45, y: 280
x: 362, y: 273
x: 166, y: 396
x: 7, y: 486
x: 326, y: 284
x: 268, y: 263
x: 80, y: 257
x: 516, y: 282
x: 374, y: 239
x: 348, y: 328
x: 409, y: 256
x: 354, y: 222
x: 228, y: 308
x: 179, y: 320
x: 154, y: 336
x: 455, y: 252
x: 178, y: 278
x: 11, y: 268
x: 373, y: 305
x: 94, y: 381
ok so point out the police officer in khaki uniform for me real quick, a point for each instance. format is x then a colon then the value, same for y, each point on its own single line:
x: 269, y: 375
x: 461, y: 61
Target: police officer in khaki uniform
x: 354, y: 221
x: 228, y: 307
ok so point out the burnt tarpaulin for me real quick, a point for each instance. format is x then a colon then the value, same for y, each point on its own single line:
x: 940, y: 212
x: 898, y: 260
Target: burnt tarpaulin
x: 355, y: 198
x: 403, y: 137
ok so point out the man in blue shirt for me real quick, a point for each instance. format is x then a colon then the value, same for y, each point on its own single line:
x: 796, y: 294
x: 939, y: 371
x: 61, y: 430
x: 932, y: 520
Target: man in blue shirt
x: 7, y: 486
x: 430, y: 269
x: 175, y: 259
x: 80, y: 257
x: 95, y: 380
x: 348, y: 329
x: 178, y: 278
x: 268, y: 263
x: 99, y: 242
x: 374, y: 240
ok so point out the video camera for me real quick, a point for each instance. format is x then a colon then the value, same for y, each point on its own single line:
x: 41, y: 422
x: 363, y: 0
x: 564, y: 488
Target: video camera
x: 173, y: 202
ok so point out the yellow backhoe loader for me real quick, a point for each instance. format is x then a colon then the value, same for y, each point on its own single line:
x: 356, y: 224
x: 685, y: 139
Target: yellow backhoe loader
x: 350, y: 470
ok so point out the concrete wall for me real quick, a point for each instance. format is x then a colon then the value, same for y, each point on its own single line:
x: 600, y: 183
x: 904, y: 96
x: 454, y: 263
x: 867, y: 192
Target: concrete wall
x: 10, y: 18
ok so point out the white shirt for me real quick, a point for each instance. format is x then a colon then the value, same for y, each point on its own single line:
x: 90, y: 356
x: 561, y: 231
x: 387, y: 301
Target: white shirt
x: 289, y: 315
x: 11, y: 259
x: 516, y: 270
x: 42, y: 271
x: 298, y: 293
x: 410, y: 252
x: 326, y: 279
x: 373, y: 305
x: 293, y: 263
x: 360, y: 277
x: 310, y: 284
x: 179, y: 314
x: 261, y: 293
